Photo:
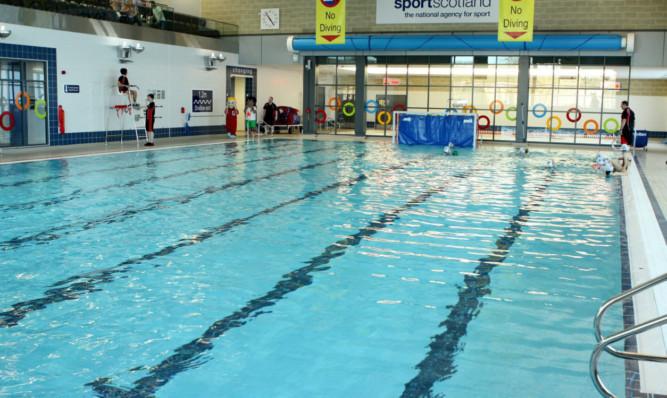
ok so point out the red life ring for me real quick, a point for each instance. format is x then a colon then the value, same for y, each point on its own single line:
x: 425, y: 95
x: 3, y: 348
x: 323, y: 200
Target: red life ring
x: 324, y: 116
x: 11, y: 120
x: 578, y: 114
x: 488, y: 122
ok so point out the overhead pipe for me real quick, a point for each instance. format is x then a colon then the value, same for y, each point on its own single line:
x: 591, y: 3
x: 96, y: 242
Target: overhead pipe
x: 556, y: 42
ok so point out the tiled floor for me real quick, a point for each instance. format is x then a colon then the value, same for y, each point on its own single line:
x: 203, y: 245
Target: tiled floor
x: 652, y: 167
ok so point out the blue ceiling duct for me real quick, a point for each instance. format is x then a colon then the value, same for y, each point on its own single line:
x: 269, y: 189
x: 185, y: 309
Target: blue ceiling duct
x: 590, y: 42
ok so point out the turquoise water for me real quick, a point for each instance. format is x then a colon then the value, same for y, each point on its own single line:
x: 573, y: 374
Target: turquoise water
x: 306, y: 268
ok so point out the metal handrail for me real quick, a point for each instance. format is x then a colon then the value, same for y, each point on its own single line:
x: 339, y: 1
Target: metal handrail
x: 604, y: 344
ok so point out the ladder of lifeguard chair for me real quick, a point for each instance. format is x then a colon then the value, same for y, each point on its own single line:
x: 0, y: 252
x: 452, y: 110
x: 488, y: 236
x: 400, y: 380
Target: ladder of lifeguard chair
x: 123, y: 108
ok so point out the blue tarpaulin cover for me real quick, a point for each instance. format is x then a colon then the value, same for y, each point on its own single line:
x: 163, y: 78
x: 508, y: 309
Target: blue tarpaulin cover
x: 437, y: 130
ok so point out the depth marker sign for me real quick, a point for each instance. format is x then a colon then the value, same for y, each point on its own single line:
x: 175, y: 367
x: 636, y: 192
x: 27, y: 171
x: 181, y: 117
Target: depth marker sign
x: 330, y: 20
x: 515, y: 22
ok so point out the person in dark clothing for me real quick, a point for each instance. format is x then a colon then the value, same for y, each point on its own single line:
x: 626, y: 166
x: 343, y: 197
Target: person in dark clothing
x: 627, y: 124
x: 270, y: 110
x: 150, y: 120
x: 124, y: 87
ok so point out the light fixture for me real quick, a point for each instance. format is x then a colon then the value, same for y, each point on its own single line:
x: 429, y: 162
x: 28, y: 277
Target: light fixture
x: 125, y: 51
x: 212, y: 59
x: 138, y: 48
x: 4, y: 32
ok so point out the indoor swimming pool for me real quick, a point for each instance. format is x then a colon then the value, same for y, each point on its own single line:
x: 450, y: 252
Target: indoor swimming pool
x: 307, y: 268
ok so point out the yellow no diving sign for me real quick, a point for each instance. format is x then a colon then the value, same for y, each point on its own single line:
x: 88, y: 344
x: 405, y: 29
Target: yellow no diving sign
x: 515, y: 22
x: 330, y: 22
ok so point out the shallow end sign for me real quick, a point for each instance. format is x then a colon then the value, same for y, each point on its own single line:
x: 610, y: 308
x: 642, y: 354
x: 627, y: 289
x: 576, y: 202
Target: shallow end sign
x: 515, y: 22
x: 202, y: 100
x: 330, y: 22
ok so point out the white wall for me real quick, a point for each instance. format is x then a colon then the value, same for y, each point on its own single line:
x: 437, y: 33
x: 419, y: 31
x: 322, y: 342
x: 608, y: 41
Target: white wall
x: 650, y: 112
x: 91, y: 62
x: 284, y: 84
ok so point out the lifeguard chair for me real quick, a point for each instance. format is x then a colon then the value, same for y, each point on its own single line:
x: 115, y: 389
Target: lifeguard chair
x: 120, y: 103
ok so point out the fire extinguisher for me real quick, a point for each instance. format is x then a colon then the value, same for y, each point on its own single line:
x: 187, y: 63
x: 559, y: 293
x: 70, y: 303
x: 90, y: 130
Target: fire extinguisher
x: 61, y: 119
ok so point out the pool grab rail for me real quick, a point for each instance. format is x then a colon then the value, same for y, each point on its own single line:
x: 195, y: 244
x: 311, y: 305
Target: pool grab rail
x: 604, y: 344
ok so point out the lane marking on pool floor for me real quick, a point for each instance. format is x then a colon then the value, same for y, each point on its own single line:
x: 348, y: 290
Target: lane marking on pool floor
x: 89, y: 282
x: 439, y: 362
x: 232, y: 147
x: 61, y: 231
x: 46, y: 202
x: 185, y: 357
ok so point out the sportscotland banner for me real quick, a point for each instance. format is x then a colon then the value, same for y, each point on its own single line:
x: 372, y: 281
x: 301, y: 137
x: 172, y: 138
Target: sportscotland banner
x: 436, y: 11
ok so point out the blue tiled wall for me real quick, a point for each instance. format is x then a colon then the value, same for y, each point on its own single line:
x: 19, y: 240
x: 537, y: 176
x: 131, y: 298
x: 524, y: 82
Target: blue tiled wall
x: 129, y: 135
x: 47, y: 54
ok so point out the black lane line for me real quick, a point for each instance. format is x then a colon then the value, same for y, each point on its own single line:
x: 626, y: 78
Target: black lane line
x: 187, y: 356
x: 75, y: 195
x: 439, y: 362
x: 51, y: 234
x: 82, y: 284
x: 231, y: 149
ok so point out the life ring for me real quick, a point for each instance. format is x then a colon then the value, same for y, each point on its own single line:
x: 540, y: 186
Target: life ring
x: 380, y: 118
x: 550, y: 127
x: 353, y: 109
x: 492, y: 107
x: 488, y: 122
x: 608, y: 130
x: 469, y: 107
x: 567, y: 115
x: 11, y: 120
x: 541, y: 106
x: 597, y: 127
x: 18, y: 103
x: 337, y: 102
x: 399, y: 106
x: 324, y: 116
x: 373, y: 102
x: 507, y: 113
x: 40, y: 115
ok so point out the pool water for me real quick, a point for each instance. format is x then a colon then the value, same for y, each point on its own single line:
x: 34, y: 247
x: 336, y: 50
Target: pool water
x: 306, y: 268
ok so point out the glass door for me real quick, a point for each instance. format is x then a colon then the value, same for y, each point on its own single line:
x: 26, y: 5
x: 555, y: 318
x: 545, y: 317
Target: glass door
x: 23, y: 107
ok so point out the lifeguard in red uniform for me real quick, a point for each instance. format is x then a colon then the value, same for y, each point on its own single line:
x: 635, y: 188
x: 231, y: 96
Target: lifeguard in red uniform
x: 230, y: 115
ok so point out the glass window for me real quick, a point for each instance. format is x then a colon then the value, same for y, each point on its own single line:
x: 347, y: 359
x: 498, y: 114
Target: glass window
x: 462, y: 75
x: 485, y: 75
x: 438, y: 98
x: 418, y: 75
x: 541, y: 75
x: 326, y: 74
x: 35, y: 70
x: 507, y: 75
x: 346, y: 74
x: 439, y: 75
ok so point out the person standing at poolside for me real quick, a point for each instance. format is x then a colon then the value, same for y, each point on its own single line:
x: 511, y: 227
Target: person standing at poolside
x: 150, y: 120
x: 269, y: 118
x: 250, y: 116
x: 627, y: 124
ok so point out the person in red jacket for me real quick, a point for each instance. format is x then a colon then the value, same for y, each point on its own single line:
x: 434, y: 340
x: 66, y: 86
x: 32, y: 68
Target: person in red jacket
x: 230, y: 117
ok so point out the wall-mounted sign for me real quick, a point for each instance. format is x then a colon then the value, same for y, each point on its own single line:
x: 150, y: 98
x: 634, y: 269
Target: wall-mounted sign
x: 237, y: 70
x: 390, y: 82
x: 330, y: 22
x: 72, y: 88
x: 515, y: 22
x: 436, y: 11
x: 202, y: 100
